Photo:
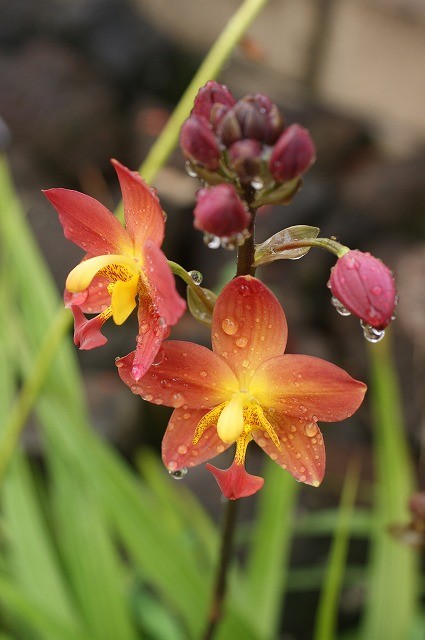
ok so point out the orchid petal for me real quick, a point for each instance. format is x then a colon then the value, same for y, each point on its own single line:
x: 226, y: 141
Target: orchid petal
x: 123, y: 299
x: 87, y: 334
x: 162, y: 286
x: 183, y: 374
x: 235, y: 482
x: 94, y: 299
x: 82, y: 275
x: 178, y: 450
x: 88, y: 223
x: 302, y: 451
x: 143, y: 213
x: 307, y: 387
x: 152, y: 331
x: 248, y: 326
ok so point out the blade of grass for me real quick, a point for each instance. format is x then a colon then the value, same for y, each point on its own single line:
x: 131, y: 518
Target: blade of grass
x: 327, y: 610
x: 392, y: 595
x: 268, y: 560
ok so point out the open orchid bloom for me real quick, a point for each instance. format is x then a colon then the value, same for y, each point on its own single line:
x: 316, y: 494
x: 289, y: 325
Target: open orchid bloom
x: 124, y: 267
x: 246, y: 389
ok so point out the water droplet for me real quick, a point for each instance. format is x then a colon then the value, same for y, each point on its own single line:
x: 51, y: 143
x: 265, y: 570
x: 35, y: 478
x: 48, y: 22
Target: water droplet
x: 196, y: 276
x: 245, y: 363
x: 311, y: 429
x: 182, y: 449
x: 186, y: 416
x: 293, y: 428
x: 340, y: 307
x: 190, y: 170
x: 134, y: 388
x: 273, y: 456
x: 241, y: 342
x: 303, y: 478
x: 303, y: 409
x: 257, y: 184
x: 144, y: 328
x: 230, y: 326
x: 203, y: 374
x: 377, y: 290
x: 220, y: 448
x: 158, y: 401
x: 148, y: 397
x: 179, y: 474
x: 212, y: 242
x: 371, y: 333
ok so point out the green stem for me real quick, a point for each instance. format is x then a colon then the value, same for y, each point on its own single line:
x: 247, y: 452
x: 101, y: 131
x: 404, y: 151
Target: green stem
x: 178, y: 270
x: 220, y: 586
x: 31, y: 388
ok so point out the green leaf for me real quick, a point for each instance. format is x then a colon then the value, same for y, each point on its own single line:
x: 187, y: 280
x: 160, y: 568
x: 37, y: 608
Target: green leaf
x: 392, y: 582
x: 268, y: 560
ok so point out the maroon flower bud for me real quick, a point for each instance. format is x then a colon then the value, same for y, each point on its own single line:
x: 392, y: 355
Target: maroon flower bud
x: 274, y: 119
x: 246, y: 158
x: 209, y: 95
x: 365, y: 286
x: 293, y: 154
x: 198, y: 143
x: 220, y: 211
x: 228, y: 128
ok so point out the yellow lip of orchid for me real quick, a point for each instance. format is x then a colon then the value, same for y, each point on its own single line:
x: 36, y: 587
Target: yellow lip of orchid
x: 114, y: 266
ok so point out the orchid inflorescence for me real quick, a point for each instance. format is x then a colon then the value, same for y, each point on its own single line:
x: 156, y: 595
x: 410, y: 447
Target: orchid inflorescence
x: 246, y: 388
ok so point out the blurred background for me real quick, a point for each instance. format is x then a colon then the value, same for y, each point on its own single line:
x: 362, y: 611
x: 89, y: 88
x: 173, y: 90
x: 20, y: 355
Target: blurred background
x: 82, y: 81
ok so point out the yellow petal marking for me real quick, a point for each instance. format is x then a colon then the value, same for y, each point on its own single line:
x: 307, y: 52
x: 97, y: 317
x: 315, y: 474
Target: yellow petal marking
x: 209, y: 420
x: 114, y: 267
x: 123, y: 299
x: 241, y: 445
x: 255, y: 418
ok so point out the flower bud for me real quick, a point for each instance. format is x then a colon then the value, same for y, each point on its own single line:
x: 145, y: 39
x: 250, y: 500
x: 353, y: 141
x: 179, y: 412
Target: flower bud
x: 365, y: 286
x: 198, y: 143
x: 246, y: 158
x: 209, y: 95
x: 293, y: 154
x: 219, y: 211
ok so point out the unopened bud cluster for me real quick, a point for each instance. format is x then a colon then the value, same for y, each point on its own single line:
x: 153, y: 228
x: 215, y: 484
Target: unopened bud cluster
x: 244, y: 145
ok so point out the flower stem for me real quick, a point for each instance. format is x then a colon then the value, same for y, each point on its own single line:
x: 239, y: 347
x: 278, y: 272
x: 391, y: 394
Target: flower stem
x: 220, y: 585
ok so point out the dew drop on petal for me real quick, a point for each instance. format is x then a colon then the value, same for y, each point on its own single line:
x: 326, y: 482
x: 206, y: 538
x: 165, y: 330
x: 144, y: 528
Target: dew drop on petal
x: 230, y: 326
x: 148, y: 397
x: 311, y: 429
x: 182, y: 449
x: 242, y: 342
x: 303, y: 478
x: 203, y: 374
x: 179, y: 474
x: 212, y: 242
x: 177, y: 400
x: 245, y: 363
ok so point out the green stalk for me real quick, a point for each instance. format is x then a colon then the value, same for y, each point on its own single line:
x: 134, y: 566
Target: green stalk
x: 392, y: 582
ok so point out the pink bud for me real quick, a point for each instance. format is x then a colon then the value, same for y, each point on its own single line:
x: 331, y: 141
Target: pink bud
x: 198, y: 143
x: 209, y: 95
x: 219, y: 211
x: 246, y: 158
x: 293, y: 154
x: 365, y: 286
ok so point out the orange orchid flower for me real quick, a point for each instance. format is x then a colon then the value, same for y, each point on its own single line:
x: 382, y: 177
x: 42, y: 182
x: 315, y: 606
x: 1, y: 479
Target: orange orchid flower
x: 122, y: 264
x: 246, y: 389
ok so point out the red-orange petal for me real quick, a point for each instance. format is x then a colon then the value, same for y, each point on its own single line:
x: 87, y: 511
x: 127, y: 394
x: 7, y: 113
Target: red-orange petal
x: 248, y: 326
x: 302, y: 450
x: 307, y: 387
x: 235, y: 482
x: 178, y: 450
x: 93, y: 299
x: 88, y: 223
x: 87, y: 333
x: 143, y: 213
x: 183, y: 374
x: 152, y: 331
x: 162, y: 287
